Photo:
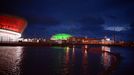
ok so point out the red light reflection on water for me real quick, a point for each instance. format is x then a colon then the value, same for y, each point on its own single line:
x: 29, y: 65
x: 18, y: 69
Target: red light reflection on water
x: 85, y: 60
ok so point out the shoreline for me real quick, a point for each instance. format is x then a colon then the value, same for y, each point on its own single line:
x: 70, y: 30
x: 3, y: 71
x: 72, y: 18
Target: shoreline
x: 56, y: 44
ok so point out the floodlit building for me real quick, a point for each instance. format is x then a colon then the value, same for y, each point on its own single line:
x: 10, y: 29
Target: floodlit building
x: 11, y: 28
x: 61, y: 36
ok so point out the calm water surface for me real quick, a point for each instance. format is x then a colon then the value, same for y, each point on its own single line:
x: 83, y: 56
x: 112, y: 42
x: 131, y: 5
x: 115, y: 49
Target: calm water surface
x: 82, y: 60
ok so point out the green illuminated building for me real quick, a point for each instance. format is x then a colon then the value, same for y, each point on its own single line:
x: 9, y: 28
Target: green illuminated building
x: 61, y: 36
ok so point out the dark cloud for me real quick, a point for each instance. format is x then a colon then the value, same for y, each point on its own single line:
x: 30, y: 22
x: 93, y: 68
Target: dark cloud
x: 132, y: 26
x: 48, y: 21
x: 121, y: 2
x: 91, y: 23
x: 111, y: 16
x: 92, y: 20
x: 118, y: 3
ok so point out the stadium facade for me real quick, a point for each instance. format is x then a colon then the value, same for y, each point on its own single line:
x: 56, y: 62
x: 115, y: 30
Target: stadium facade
x: 11, y: 28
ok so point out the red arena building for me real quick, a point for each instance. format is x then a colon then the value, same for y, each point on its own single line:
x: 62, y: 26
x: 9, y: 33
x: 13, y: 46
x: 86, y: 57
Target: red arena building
x: 11, y: 27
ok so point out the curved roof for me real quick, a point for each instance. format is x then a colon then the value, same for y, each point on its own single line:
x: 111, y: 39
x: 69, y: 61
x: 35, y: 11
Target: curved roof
x: 12, y: 23
x: 61, y: 36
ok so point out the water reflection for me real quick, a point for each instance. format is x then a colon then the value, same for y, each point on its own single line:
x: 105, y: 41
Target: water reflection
x: 85, y: 59
x: 106, y: 57
x: 72, y: 64
x: 10, y: 58
x: 67, y: 55
x: 71, y: 60
x: 73, y: 55
x: 65, y: 69
x: 81, y: 61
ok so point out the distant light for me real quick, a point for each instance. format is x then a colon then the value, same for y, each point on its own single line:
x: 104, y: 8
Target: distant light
x: 86, y: 46
x: 108, y: 39
x: 68, y: 49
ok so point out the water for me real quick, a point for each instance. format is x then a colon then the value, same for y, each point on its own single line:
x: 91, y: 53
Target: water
x: 82, y: 60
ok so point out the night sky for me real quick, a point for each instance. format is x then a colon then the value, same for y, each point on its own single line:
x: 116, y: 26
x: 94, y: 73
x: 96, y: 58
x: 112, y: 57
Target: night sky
x: 92, y: 18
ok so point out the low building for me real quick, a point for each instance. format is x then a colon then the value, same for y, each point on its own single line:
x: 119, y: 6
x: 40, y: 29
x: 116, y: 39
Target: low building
x: 84, y: 40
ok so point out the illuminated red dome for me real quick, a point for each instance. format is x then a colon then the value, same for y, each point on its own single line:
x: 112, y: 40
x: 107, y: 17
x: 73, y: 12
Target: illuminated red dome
x: 12, y: 23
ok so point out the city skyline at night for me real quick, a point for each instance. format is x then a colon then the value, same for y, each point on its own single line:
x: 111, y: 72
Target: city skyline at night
x: 91, y: 18
x: 66, y: 37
